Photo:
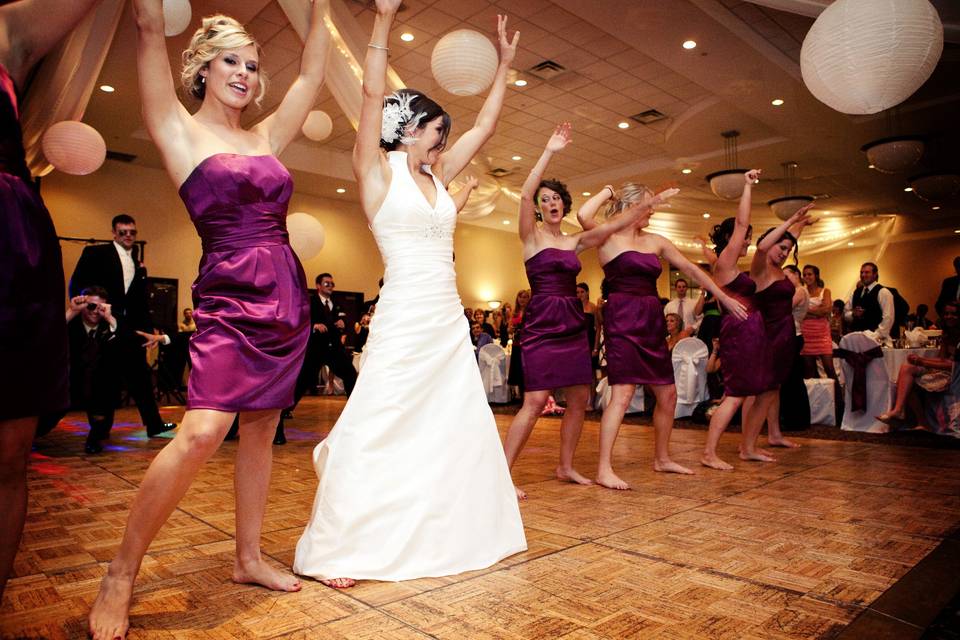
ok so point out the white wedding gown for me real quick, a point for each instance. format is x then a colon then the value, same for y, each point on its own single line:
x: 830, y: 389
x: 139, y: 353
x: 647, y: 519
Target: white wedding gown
x: 413, y: 481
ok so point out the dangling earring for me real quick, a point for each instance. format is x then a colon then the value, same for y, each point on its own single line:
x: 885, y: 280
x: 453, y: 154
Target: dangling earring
x: 203, y: 79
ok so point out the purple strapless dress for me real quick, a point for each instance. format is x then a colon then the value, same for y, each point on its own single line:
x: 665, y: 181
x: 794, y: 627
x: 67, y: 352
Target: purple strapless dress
x: 33, y: 330
x: 633, y: 325
x: 553, y: 339
x: 250, y: 298
x: 776, y: 306
x: 743, y: 343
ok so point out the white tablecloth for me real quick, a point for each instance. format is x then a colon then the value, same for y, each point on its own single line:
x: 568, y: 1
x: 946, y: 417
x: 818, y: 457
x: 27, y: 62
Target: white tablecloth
x: 895, y: 358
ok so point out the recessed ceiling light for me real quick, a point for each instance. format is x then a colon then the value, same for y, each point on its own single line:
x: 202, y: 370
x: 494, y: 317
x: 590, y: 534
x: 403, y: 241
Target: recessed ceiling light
x: 849, y: 244
x: 826, y: 213
x: 517, y: 158
x: 623, y: 125
x: 956, y: 230
x: 341, y: 190
x: 871, y: 166
x: 407, y: 37
x: 586, y: 193
x: 706, y: 216
x: 107, y: 88
x: 520, y: 83
x: 908, y: 189
x: 936, y: 207
x: 686, y: 171
x: 689, y: 44
x: 777, y: 102
x: 506, y: 222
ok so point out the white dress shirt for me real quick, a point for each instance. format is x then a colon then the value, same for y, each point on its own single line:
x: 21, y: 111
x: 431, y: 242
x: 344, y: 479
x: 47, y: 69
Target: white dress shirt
x: 690, y: 321
x: 126, y: 261
x: 885, y: 299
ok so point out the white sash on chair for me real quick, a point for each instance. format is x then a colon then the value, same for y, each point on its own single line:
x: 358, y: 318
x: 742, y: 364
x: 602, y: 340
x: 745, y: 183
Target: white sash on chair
x: 493, y: 363
x: 690, y: 374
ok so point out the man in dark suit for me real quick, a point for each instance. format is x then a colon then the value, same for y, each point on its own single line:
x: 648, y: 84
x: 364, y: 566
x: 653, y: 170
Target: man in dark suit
x: 117, y: 268
x: 950, y: 289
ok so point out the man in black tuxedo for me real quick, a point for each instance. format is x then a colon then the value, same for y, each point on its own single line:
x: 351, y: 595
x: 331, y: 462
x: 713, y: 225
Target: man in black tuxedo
x: 117, y: 268
x: 950, y: 289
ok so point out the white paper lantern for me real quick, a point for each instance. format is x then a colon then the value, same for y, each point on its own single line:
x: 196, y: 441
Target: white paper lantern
x: 306, y: 234
x: 464, y: 62
x: 176, y: 16
x: 74, y: 147
x: 864, y: 56
x: 317, y: 126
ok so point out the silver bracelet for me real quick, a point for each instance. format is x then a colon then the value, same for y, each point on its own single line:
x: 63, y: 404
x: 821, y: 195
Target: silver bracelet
x: 376, y: 46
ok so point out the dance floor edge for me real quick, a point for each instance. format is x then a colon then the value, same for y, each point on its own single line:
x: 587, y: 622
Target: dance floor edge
x: 824, y: 543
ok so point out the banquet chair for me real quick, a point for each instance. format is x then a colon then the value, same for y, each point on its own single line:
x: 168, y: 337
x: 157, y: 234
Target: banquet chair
x: 690, y: 374
x: 603, y: 397
x: 874, y: 384
x: 493, y: 371
x: 820, y: 392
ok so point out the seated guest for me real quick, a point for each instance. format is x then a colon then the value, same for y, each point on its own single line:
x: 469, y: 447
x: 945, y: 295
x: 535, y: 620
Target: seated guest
x: 837, y: 322
x: 468, y: 312
x: 949, y: 288
x: 479, y: 337
x: 187, y: 325
x: 930, y: 374
x: 919, y: 319
x: 683, y: 306
x: 675, y: 331
x: 480, y: 317
x: 362, y: 329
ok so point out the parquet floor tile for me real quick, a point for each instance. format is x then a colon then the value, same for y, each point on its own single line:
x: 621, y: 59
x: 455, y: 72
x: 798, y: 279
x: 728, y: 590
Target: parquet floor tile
x: 795, y: 549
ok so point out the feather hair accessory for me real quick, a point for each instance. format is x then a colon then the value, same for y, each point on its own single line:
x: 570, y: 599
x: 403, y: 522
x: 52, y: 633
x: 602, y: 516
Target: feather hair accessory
x: 398, y: 117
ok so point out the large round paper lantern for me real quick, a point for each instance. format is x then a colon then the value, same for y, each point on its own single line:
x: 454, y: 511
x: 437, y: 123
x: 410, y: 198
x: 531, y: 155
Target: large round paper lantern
x: 176, y: 16
x: 74, y: 147
x: 317, y: 126
x: 464, y: 62
x: 306, y: 234
x: 864, y: 56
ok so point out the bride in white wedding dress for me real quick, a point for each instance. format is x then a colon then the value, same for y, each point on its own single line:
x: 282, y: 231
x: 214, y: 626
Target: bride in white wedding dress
x: 413, y: 481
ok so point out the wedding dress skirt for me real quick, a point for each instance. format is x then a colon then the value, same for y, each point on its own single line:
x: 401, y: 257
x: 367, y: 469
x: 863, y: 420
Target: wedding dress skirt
x: 413, y: 481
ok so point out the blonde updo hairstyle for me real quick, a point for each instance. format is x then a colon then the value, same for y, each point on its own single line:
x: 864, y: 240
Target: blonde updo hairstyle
x: 216, y: 34
x: 630, y: 193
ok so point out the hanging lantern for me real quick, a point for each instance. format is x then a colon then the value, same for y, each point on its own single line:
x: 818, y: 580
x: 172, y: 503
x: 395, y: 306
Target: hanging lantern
x: 894, y: 155
x: 728, y: 184
x: 786, y: 206
x: 464, y: 62
x: 864, y: 56
x: 74, y: 147
x: 318, y: 126
x: 176, y: 16
x: 306, y: 235
x: 935, y: 187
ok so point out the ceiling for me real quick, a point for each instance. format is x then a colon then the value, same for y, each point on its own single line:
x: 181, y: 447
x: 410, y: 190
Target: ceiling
x: 622, y: 57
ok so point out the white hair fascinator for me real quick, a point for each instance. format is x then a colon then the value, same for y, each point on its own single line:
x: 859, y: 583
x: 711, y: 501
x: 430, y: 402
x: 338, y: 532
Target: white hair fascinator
x: 398, y: 117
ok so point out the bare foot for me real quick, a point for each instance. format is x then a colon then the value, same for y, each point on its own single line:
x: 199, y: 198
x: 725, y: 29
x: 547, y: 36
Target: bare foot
x: 669, y: 466
x: 109, y: 615
x: 757, y: 456
x: 261, y: 573
x: 521, y: 494
x: 783, y: 442
x: 610, y: 480
x: 715, y: 463
x: 571, y: 475
x: 890, y: 416
x: 339, y: 583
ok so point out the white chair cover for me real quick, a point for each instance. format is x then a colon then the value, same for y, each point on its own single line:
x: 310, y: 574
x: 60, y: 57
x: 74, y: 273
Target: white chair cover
x: 690, y: 373
x: 493, y: 372
x: 603, y: 397
x: 878, y: 387
x: 823, y: 408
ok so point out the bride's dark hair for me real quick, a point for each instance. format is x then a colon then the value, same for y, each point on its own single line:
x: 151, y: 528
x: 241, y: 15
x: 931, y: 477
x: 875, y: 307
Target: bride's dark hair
x: 424, y: 110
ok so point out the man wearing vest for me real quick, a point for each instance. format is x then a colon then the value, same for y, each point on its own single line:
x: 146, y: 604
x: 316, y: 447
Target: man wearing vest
x: 870, y: 307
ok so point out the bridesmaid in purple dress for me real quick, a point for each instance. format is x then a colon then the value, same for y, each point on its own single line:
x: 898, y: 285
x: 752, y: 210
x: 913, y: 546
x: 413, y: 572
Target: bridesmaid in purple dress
x: 774, y: 300
x: 33, y: 332
x: 553, y: 339
x: 250, y: 297
x: 633, y: 321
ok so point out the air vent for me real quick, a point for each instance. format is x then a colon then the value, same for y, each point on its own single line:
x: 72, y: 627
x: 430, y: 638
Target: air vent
x: 121, y: 157
x: 648, y: 117
x: 547, y: 70
x: 499, y: 172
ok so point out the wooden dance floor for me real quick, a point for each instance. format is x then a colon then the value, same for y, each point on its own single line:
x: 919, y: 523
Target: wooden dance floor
x: 796, y: 549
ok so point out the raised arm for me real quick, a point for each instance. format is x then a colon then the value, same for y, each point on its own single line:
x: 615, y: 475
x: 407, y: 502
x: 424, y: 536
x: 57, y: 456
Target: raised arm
x: 283, y: 125
x: 596, y: 236
x: 794, y: 224
x: 165, y: 117
x: 369, y: 165
x: 460, y: 197
x: 453, y: 161
x: 528, y: 219
x: 586, y: 216
x: 29, y: 29
x: 727, y: 260
x: 681, y: 262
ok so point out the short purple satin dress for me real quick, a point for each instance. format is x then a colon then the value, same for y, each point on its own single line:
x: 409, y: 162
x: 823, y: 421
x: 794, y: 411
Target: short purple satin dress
x: 554, y: 345
x: 633, y: 325
x: 743, y: 343
x: 250, y: 298
x: 33, y: 330
x: 776, y: 306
